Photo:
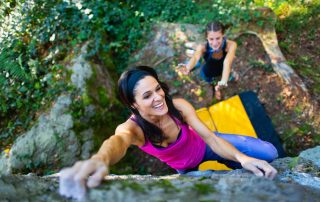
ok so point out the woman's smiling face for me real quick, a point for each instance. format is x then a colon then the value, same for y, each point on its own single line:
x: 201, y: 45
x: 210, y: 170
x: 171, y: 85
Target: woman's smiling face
x: 215, y: 39
x: 150, y: 97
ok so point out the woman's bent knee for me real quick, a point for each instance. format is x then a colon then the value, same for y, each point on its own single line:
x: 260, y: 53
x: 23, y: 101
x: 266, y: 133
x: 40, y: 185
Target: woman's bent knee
x: 271, y: 153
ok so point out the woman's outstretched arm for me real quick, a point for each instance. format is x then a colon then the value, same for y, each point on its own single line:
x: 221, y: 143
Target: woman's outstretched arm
x: 185, y: 69
x: 113, y: 149
x: 227, y: 63
x: 89, y: 173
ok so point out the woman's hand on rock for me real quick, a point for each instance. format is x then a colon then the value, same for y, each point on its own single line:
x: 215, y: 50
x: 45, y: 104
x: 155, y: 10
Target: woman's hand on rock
x: 259, y: 168
x: 74, y: 180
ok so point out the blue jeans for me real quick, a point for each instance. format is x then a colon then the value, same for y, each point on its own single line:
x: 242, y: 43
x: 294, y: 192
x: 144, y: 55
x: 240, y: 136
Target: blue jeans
x: 250, y: 146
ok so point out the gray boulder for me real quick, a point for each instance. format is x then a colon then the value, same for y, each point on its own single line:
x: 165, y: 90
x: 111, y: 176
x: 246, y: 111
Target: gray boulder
x: 312, y: 155
x: 297, y: 180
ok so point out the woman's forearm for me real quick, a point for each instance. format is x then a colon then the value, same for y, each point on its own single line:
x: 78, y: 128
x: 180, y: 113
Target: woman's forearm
x: 195, y: 58
x: 224, y: 149
x: 227, y: 63
x: 112, y: 150
x: 191, y: 64
x: 226, y: 71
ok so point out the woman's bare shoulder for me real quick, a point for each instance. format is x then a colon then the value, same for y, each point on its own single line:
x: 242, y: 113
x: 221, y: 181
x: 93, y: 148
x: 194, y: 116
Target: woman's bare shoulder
x: 178, y: 101
x: 185, y: 108
x: 231, y: 44
x: 181, y: 104
x: 130, y: 129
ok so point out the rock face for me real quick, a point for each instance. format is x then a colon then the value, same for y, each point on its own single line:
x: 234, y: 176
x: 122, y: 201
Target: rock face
x: 47, y: 143
x: 312, y: 155
x: 52, y: 135
x: 56, y: 140
x: 297, y: 180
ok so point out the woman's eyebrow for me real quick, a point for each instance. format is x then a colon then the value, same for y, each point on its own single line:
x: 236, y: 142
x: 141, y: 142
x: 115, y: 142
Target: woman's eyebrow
x: 157, y: 86
x: 146, y: 92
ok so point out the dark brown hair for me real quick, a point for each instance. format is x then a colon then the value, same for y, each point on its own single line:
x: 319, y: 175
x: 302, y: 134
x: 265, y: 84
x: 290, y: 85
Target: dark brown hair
x: 215, y: 26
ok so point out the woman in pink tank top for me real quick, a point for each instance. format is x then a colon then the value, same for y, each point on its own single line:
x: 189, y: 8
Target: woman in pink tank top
x: 168, y: 129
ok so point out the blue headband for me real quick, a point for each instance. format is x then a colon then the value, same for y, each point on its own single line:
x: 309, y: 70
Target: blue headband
x: 134, y: 78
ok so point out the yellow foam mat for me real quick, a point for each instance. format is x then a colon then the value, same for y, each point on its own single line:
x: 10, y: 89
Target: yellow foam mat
x: 205, y: 117
x: 228, y: 116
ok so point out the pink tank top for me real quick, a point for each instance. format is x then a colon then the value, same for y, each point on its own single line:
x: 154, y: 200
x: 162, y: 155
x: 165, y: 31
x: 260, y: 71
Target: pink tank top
x: 185, y: 153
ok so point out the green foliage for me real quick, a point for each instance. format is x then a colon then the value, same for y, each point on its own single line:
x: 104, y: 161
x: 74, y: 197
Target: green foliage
x: 163, y: 10
x: 41, y: 34
x: 298, y: 15
x: 20, y: 99
x: 228, y: 12
x: 297, y: 29
x: 11, y: 66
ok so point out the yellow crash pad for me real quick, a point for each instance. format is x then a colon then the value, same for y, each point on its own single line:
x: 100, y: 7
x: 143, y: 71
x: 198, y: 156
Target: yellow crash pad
x: 228, y: 116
